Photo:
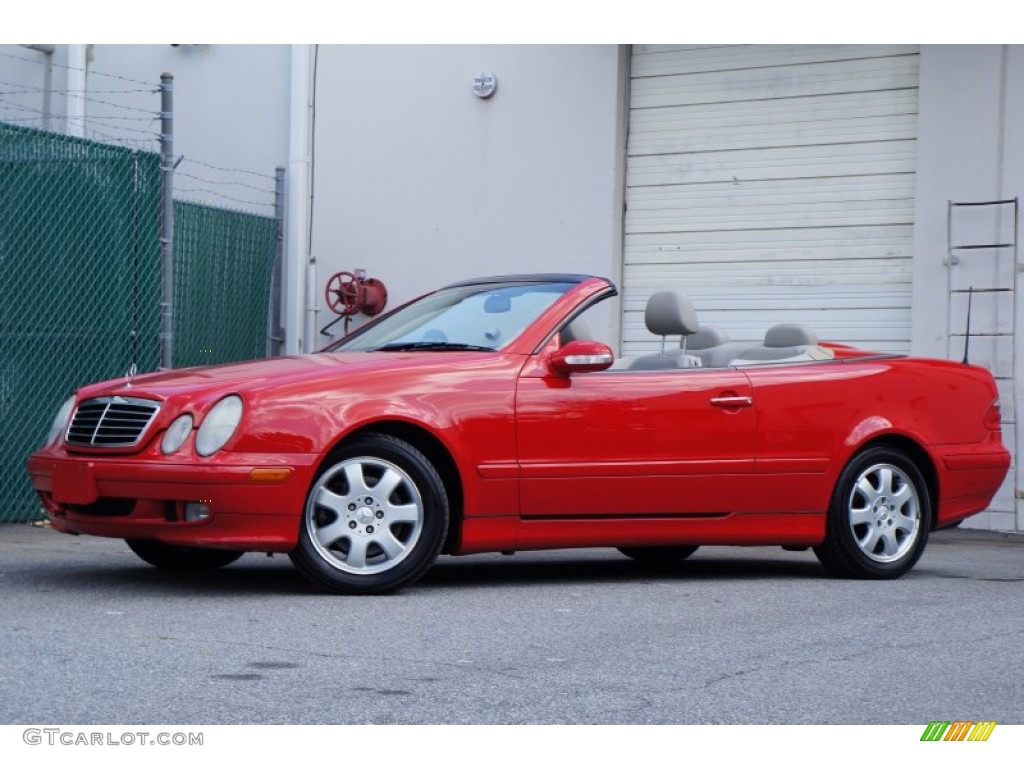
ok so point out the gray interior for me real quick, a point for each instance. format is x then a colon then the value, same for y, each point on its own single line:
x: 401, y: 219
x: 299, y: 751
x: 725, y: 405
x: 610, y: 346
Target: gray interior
x: 706, y: 337
x: 790, y: 335
x: 577, y: 330
x: 671, y: 313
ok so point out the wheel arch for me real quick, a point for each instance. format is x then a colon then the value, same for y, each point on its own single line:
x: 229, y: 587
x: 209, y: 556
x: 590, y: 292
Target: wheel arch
x: 436, y: 452
x: 916, y: 453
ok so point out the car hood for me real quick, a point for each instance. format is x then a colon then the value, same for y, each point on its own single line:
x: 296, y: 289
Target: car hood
x: 276, y: 373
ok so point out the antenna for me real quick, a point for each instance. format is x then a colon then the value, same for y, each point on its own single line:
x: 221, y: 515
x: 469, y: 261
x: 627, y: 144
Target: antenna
x: 967, y: 335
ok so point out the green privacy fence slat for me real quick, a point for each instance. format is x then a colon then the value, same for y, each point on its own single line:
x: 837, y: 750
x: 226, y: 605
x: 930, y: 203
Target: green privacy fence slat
x: 222, y: 267
x: 79, y: 243
x: 79, y: 283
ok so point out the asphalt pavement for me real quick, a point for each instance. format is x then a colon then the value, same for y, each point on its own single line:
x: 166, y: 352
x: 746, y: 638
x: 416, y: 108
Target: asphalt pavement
x: 90, y: 634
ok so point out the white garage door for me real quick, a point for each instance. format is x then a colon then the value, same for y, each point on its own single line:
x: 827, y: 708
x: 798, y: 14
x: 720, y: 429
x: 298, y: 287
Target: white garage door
x: 773, y: 184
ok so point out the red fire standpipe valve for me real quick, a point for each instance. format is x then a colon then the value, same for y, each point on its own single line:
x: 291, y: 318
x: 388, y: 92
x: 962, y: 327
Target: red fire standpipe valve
x: 348, y: 293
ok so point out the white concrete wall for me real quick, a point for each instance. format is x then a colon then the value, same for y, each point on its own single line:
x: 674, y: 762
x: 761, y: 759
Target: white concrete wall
x: 971, y: 113
x: 421, y: 183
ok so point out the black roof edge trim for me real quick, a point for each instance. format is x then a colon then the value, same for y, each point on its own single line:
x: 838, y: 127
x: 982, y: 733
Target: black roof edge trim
x: 554, y: 277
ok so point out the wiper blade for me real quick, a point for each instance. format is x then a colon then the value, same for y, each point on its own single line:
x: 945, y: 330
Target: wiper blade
x: 430, y: 346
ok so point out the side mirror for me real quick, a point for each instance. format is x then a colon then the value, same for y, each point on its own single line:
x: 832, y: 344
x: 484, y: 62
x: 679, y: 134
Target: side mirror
x: 581, y: 357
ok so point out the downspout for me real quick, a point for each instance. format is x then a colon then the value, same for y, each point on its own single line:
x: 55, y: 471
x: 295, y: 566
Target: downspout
x: 622, y: 96
x: 297, y: 252
x: 74, y: 106
x: 312, y: 292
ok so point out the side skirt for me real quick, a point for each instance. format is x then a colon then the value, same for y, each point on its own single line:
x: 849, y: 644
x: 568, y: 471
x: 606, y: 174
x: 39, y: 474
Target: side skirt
x: 503, y: 534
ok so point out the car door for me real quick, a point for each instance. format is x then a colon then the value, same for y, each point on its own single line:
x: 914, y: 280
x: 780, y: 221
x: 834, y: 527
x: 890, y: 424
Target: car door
x: 807, y: 414
x: 634, y: 443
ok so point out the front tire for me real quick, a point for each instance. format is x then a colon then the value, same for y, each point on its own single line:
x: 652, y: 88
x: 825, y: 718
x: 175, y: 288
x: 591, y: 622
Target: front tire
x: 375, y: 518
x: 879, y: 518
x: 176, y: 557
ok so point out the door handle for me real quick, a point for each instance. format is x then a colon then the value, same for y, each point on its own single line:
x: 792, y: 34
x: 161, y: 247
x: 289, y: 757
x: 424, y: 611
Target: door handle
x: 732, y: 401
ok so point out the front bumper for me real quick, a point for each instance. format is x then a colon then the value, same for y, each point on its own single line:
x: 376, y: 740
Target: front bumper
x: 145, y: 497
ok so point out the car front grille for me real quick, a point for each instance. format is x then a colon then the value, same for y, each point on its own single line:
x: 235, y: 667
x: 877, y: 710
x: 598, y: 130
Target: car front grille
x: 111, y: 422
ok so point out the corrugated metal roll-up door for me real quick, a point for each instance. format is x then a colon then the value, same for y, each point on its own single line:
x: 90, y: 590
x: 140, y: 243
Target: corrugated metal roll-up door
x: 773, y: 184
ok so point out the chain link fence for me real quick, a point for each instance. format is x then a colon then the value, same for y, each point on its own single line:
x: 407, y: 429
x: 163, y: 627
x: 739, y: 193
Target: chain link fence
x: 80, y: 277
x: 79, y: 242
x: 222, y: 269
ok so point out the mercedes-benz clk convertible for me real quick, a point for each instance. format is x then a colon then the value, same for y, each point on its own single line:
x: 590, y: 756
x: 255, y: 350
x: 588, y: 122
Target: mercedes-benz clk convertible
x: 484, y: 417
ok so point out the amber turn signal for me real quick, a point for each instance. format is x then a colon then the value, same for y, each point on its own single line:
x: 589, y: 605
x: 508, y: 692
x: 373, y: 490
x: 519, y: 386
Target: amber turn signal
x: 270, y: 475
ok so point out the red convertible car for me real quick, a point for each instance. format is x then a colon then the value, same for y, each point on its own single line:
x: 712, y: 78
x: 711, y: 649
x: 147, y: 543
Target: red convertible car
x: 483, y: 417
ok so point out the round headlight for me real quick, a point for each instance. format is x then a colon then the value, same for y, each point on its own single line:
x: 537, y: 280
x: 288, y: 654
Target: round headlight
x: 60, y: 421
x: 175, y: 435
x: 219, y: 425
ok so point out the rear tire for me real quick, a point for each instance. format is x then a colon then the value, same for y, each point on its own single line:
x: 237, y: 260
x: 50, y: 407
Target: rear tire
x: 879, y: 518
x: 176, y: 557
x: 658, y: 555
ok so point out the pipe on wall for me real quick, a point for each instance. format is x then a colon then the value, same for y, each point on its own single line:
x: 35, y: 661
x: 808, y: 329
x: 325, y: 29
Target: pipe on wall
x: 298, y: 200
x: 48, y: 51
x: 74, y: 106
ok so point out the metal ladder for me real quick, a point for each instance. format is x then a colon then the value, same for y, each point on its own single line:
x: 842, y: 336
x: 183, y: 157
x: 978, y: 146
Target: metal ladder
x: 956, y: 251
x: 959, y: 252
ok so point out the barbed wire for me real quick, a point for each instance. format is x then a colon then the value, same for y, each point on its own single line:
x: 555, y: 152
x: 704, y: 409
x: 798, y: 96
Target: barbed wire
x: 229, y: 170
x: 121, y: 140
x: 89, y: 122
x: 116, y: 123
x: 105, y: 136
x: 224, y: 182
x: 212, y: 194
x: 120, y: 117
x: 63, y: 116
x: 34, y: 89
x: 76, y: 69
x: 155, y: 113
x: 100, y: 120
x: 74, y: 94
x: 210, y: 189
x: 23, y: 108
x: 92, y: 122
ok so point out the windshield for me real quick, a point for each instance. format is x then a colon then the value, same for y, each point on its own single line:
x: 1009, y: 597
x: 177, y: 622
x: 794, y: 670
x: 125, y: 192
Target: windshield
x: 465, y: 317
